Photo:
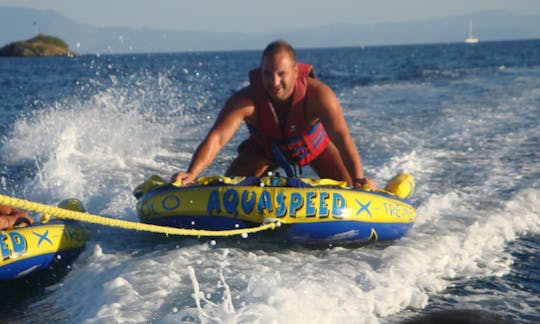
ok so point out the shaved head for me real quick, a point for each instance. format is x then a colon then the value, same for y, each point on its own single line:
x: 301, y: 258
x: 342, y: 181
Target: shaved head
x: 279, y: 46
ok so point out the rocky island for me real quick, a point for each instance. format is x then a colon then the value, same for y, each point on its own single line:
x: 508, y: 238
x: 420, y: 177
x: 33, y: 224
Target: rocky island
x: 40, y: 45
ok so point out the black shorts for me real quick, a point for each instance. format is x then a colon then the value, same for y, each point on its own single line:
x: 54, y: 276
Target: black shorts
x: 250, y: 146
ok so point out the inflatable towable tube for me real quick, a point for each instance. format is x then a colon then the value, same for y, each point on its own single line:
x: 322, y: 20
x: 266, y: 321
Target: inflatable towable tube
x: 38, y: 247
x: 309, y: 210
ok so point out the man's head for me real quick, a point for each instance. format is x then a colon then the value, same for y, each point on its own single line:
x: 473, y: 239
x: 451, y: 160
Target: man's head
x: 279, y: 71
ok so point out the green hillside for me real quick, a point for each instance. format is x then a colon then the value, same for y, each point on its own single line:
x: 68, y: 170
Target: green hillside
x: 41, y: 45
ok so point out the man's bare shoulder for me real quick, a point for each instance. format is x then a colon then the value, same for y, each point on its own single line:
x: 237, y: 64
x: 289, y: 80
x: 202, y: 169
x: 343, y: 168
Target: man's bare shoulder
x: 318, y: 91
x: 242, y: 98
x: 241, y: 104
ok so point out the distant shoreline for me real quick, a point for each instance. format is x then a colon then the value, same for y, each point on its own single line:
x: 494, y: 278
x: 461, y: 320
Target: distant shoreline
x: 491, y: 25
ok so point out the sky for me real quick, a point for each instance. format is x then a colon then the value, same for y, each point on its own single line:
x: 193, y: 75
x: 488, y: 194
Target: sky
x: 251, y: 16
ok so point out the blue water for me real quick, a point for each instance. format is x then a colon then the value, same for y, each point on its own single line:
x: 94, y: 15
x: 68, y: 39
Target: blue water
x: 464, y: 120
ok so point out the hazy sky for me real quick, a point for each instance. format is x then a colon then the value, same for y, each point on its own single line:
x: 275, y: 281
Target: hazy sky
x: 256, y: 16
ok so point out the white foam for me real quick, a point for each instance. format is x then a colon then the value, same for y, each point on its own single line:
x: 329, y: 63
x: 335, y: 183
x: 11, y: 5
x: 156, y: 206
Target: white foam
x: 97, y: 149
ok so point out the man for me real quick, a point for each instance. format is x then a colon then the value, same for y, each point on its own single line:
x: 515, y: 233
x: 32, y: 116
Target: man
x: 10, y: 217
x: 292, y: 118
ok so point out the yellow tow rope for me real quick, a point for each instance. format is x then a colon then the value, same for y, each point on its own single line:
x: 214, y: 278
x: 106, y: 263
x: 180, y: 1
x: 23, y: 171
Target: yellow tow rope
x: 112, y: 222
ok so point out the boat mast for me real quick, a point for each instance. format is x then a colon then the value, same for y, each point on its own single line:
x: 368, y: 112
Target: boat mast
x: 470, y: 38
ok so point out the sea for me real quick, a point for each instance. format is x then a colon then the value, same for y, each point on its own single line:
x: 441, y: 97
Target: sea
x: 462, y: 119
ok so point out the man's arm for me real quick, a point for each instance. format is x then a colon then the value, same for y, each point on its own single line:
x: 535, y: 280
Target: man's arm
x: 325, y: 106
x: 235, y: 110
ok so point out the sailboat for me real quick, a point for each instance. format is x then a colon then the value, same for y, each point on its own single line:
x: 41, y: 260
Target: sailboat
x: 470, y: 39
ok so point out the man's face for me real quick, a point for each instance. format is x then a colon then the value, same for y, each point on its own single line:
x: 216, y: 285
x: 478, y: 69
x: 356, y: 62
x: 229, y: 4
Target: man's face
x: 279, y: 73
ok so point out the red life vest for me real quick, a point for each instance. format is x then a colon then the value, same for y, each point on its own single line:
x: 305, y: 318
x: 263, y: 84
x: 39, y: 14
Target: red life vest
x: 299, y: 142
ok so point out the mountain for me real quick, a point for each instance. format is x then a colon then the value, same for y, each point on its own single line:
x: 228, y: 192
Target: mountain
x: 17, y: 23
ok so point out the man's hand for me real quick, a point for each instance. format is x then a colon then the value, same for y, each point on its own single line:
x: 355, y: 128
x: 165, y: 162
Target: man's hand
x: 182, y: 179
x: 359, y: 183
x: 11, y: 217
